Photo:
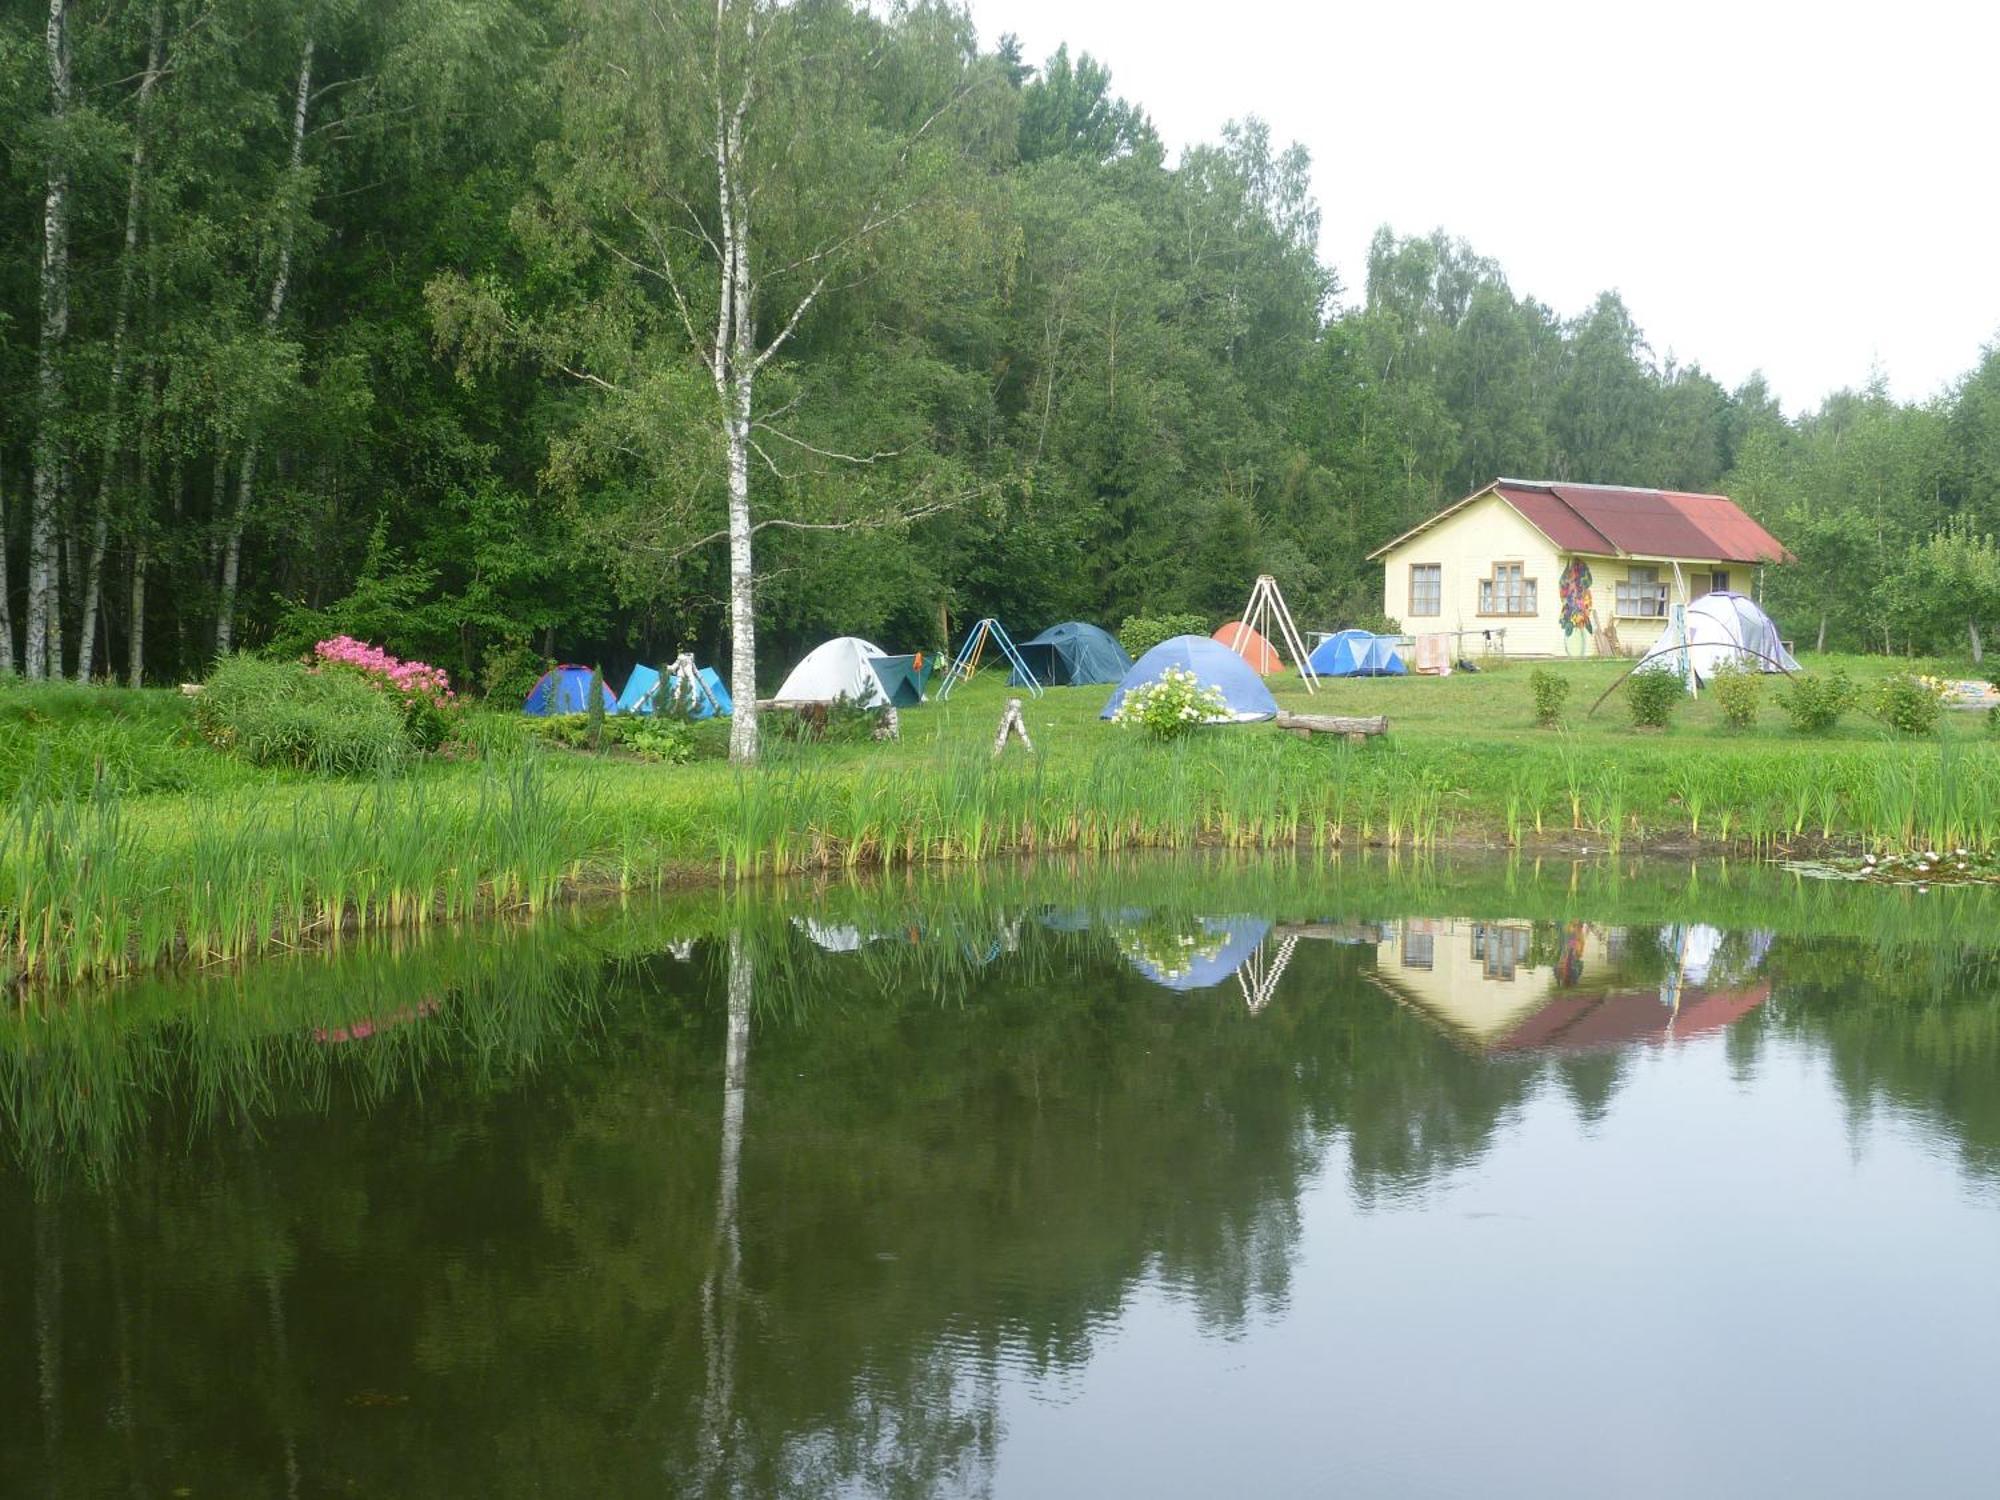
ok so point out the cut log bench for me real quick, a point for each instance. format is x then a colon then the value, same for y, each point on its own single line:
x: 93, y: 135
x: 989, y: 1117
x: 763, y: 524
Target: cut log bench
x: 1357, y: 731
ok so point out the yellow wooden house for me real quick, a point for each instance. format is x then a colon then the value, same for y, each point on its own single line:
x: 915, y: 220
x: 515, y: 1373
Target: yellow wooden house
x: 1577, y: 569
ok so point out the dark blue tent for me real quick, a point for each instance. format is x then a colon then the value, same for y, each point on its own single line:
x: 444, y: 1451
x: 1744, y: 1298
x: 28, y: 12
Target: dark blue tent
x: 1356, y: 653
x: 1072, y: 654
x: 565, y: 690
x: 1214, y: 665
x: 1195, y: 960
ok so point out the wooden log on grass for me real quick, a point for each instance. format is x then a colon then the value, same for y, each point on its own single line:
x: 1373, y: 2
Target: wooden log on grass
x: 1357, y: 730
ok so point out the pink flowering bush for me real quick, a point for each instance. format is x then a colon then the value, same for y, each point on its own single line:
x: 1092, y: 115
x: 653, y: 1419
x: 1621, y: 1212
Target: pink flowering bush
x: 423, y: 692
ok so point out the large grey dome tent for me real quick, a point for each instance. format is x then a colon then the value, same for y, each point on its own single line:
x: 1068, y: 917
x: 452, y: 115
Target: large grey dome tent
x: 1725, y: 630
x: 1073, y: 654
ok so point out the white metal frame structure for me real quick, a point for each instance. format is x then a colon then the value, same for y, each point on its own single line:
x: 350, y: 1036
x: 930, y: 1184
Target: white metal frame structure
x: 1266, y: 608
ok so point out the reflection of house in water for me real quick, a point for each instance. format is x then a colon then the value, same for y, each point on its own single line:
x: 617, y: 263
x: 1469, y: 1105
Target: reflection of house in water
x: 1492, y: 985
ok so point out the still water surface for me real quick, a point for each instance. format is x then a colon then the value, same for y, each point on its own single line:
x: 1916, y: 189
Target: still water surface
x: 1161, y: 1181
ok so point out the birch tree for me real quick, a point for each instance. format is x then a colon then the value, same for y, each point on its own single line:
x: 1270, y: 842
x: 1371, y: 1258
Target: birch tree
x: 274, y: 311
x: 731, y: 167
x: 43, y: 646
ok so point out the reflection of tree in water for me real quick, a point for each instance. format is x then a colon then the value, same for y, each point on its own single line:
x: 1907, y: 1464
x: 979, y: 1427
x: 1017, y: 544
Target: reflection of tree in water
x: 784, y: 1241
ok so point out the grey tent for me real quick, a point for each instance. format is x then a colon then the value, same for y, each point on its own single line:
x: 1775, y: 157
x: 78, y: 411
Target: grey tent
x: 1072, y: 654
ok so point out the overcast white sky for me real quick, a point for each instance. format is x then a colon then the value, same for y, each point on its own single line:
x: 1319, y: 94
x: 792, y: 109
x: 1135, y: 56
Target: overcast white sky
x: 1806, y: 189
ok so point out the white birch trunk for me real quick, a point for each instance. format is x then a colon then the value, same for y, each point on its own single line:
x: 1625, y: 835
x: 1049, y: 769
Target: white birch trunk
x: 43, y: 600
x: 735, y: 370
x: 246, y: 483
x: 93, y: 574
x: 6, y: 604
x: 135, y: 657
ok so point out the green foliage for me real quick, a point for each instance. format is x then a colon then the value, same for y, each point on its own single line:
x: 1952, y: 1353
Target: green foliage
x: 66, y: 739
x: 1141, y: 633
x: 1551, y: 690
x: 666, y: 741
x: 1738, y: 691
x: 279, y: 713
x: 1907, y: 704
x: 593, y: 709
x: 1815, y: 701
x: 1652, y: 694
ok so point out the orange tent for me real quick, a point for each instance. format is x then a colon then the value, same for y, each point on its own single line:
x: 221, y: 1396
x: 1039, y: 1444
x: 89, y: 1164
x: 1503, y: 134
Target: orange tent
x: 1254, y: 649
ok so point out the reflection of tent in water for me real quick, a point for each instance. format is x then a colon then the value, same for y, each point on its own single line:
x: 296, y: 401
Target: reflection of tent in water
x: 834, y: 937
x: 360, y: 1031
x: 1476, y: 980
x: 1192, y: 956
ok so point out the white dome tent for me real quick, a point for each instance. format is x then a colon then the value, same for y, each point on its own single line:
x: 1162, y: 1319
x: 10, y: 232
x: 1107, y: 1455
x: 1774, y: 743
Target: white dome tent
x: 839, y: 668
x: 1725, y: 630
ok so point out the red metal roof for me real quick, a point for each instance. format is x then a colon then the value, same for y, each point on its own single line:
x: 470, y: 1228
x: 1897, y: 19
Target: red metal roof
x: 1617, y: 521
x: 1586, y: 1023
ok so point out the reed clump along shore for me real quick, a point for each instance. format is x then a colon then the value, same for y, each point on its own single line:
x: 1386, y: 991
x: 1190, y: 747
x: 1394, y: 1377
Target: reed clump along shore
x: 128, y: 842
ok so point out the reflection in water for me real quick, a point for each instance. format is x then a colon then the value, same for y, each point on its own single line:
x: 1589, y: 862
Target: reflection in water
x: 1048, y: 1187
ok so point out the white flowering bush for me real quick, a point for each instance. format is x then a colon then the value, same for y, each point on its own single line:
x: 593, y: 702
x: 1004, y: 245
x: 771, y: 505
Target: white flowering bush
x: 1169, y: 707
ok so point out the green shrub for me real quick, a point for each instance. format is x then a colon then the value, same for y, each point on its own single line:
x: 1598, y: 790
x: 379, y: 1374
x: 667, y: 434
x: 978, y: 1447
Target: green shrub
x: 1907, y: 704
x: 1652, y: 694
x: 1551, y: 693
x: 1141, y: 633
x: 668, y: 741
x: 593, y: 708
x: 1173, y: 705
x: 279, y: 713
x: 1738, y: 691
x: 1993, y: 719
x: 1814, y: 701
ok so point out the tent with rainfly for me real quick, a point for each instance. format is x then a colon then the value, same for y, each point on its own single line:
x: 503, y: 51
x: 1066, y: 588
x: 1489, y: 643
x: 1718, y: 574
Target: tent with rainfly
x: 849, y: 667
x: 1073, y: 654
x: 1214, y: 665
x: 1725, y: 629
x: 1252, y: 647
x: 1357, y: 653
x: 565, y: 690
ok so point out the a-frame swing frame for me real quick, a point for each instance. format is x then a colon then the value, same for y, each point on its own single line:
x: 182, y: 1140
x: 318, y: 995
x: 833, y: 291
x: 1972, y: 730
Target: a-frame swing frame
x: 966, y: 663
x: 1267, y: 608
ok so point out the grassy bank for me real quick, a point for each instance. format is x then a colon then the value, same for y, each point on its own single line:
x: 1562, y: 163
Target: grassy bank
x: 128, y: 844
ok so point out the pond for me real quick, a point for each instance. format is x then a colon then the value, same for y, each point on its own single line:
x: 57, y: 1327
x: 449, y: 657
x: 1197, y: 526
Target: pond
x: 1150, y: 1179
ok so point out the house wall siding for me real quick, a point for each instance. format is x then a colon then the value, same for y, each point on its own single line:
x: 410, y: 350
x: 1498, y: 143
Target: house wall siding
x: 1465, y: 547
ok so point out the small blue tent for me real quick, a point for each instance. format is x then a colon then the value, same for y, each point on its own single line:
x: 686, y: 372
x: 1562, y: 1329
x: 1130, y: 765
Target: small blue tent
x: 1356, y: 653
x: 1214, y: 665
x: 645, y: 692
x: 1072, y: 654
x: 565, y: 690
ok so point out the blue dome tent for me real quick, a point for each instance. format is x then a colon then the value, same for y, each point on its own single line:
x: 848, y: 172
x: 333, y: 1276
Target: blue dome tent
x: 1356, y: 653
x: 1072, y: 654
x: 646, y: 690
x: 1214, y: 665
x: 565, y: 690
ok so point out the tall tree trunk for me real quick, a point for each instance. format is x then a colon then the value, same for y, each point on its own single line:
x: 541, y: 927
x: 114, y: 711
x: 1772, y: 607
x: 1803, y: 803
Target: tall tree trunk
x: 1820, y: 645
x: 735, y: 376
x: 121, y: 317
x: 6, y: 603
x: 246, y: 483
x: 44, y: 602
x: 1978, y: 645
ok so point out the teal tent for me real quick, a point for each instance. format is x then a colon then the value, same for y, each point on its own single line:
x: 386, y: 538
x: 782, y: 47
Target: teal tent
x: 1073, y: 654
x: 640, y: 690
x: 646, y: 692
x: 902, y: 678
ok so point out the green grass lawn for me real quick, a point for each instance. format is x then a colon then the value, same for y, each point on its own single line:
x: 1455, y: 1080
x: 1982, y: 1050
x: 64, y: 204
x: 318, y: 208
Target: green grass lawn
x: 199, y: 855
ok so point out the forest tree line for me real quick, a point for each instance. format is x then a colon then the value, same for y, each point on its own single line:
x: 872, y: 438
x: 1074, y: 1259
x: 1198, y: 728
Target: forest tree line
x: 423, y: 320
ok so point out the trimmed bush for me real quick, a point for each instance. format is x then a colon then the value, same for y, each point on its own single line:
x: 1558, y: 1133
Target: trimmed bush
x: 280, y: 713
x: 1652, y: 694
x: 1738, y: 691
x: 1551, y: 691
x: 1907, y: 704
x: 1172, y: 706
x: 1141, y: 633
x: 1815, y: 701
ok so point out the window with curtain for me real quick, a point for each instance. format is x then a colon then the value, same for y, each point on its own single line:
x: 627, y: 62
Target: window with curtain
x: 1508, y: 592
x: 1642, y: 595
x: 1426, y: 589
